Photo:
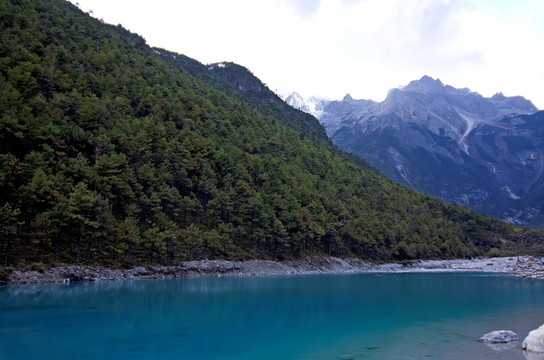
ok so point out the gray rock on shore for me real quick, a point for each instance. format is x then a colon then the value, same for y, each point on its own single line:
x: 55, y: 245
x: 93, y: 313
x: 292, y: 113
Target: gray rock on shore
x: 522, y: 266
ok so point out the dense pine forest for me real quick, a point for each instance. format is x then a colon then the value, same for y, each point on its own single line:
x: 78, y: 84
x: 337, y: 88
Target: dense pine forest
x: 112, y: 155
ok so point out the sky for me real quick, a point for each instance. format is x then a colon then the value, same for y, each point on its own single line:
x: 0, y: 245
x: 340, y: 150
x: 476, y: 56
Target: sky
x: 328, y: 48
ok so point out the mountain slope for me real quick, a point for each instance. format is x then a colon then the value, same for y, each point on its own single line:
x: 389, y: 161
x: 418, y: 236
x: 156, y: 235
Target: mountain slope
x: 450, y: 143
x: 512, y: 150
x: 111, y: 155
x: 240, y: 83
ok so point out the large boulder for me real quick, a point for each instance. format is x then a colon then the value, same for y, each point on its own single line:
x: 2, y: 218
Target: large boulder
x: 534, y: 341
x: 499, y: 337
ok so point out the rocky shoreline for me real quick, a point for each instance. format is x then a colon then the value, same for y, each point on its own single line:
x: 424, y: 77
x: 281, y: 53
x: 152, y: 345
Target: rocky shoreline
x: 522, y: 266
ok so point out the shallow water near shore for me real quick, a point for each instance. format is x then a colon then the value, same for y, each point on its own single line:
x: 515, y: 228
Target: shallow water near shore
x: 364, y: 316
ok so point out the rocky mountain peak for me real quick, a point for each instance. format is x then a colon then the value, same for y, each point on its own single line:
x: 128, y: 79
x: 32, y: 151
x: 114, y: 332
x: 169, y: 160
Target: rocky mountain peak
x: 425, y: 85
x: 347, y: 98
x: 498, y: 96
x: 481, y: 152
x: 295, y: 100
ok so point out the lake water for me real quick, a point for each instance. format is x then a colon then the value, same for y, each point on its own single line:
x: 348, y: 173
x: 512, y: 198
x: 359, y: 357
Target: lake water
x: 368, y: 316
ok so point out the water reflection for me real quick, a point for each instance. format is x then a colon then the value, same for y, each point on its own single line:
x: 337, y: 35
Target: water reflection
x: 504, y: 347
x: 529, y: 355
x: 196, y: 285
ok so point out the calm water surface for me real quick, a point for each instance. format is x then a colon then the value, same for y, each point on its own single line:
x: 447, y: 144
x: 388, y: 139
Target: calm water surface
x: 369, y: 316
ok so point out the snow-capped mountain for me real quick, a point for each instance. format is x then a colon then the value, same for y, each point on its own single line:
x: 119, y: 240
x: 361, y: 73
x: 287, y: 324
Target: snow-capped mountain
x: 311, y: 105
x: 485, y: 153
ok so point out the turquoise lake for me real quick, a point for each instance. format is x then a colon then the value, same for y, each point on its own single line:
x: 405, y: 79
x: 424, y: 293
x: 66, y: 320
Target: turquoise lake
x: 367, y: 316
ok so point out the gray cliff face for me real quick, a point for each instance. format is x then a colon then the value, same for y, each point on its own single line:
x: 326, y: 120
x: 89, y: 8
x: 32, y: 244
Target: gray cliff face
x: 336, y: 113
x: 484, y: 153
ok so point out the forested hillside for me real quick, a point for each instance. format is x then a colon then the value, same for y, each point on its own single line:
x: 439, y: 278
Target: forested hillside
x: 110, y: 155
x: 238, y: 82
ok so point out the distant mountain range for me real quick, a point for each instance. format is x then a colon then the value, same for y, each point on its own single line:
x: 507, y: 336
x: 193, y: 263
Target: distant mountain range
x: 484, y: 153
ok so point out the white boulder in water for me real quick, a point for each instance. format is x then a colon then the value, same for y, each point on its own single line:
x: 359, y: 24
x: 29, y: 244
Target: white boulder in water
x: 534, y: 341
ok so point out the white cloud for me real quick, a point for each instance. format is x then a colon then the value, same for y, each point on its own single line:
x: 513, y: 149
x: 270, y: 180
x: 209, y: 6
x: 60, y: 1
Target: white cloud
x: 365, y: 47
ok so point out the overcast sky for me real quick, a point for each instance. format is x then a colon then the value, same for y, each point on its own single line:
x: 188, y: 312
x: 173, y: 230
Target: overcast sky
x: 328, y: 48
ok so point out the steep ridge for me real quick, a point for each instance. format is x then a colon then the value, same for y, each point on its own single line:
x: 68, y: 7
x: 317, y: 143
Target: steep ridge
x: 484, y: 153
x: 238, y: 82
x: 111, y: 155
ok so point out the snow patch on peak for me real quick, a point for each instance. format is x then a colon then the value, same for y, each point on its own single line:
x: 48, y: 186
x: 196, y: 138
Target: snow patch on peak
x: 311, y: 105
x: 296, y: 101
